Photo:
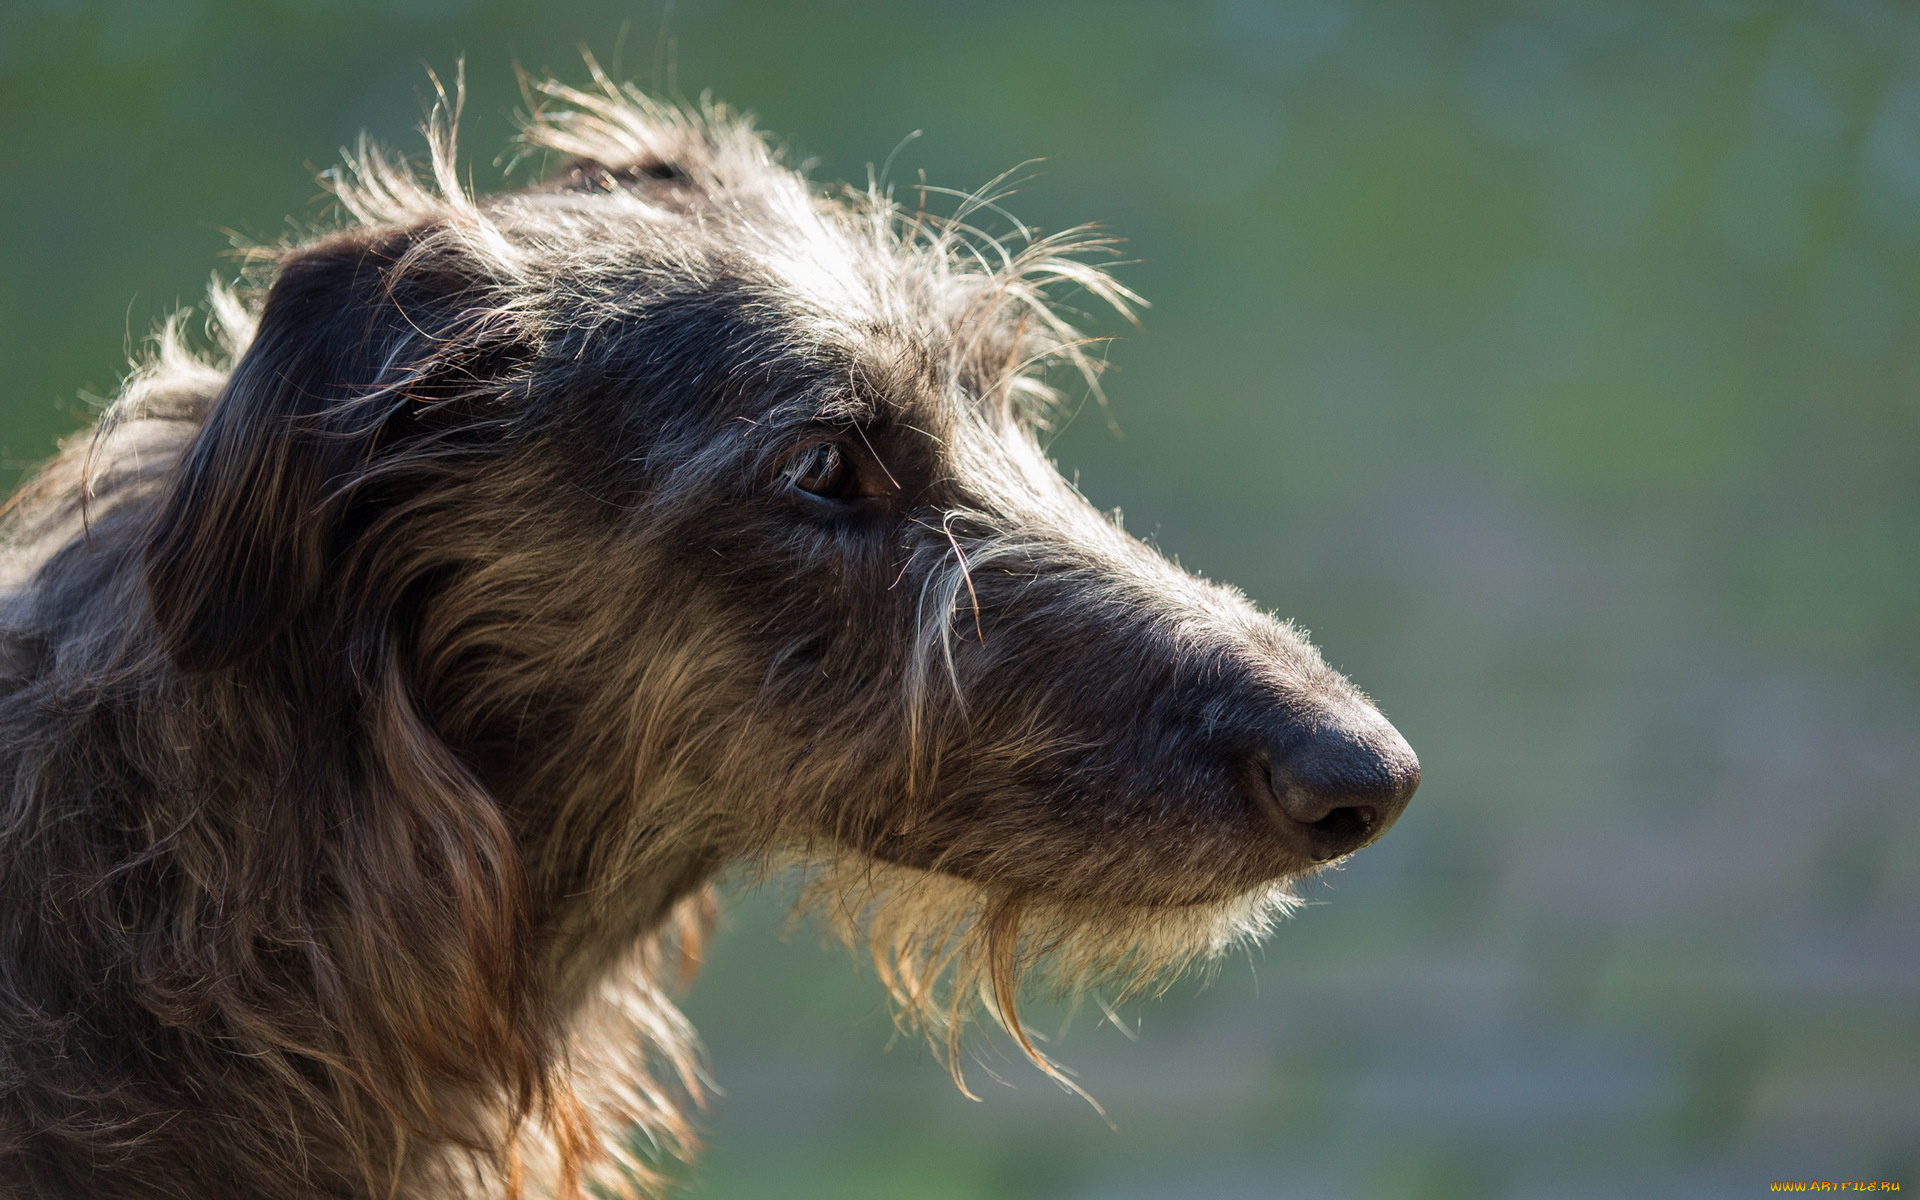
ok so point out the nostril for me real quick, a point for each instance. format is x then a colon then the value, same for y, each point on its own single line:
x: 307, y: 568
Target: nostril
x: 1345, y: 827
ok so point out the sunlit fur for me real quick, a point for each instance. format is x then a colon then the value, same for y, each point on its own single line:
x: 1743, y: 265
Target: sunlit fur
x: 385, y: 685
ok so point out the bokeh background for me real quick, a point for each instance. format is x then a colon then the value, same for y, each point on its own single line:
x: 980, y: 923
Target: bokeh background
x: 1554, y: 361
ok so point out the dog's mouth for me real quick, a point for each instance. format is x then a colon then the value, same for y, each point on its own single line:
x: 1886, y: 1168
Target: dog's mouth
x: 1251, y: 855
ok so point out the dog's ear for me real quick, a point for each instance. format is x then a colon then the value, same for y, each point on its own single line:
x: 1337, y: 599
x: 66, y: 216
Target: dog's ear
x: 376, y: 352
x: 645, y: 172
x: 352, y: 335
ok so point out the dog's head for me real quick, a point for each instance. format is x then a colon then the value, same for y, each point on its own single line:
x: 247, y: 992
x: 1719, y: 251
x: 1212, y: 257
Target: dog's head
x: 704, y: 515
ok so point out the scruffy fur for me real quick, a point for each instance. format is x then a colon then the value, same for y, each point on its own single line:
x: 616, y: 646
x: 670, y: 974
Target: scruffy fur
x: 382, y: 688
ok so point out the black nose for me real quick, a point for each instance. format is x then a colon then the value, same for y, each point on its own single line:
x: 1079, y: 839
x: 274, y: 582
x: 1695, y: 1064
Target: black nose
x: 1337, y: 788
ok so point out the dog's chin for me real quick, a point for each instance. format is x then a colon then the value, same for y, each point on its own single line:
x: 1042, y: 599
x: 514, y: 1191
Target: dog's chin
x: 1069, y: 876
x: 1125, y: 937
x: 937, y: 936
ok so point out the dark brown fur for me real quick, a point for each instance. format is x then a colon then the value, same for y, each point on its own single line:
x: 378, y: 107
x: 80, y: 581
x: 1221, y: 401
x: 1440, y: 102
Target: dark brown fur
x: 379, y: 700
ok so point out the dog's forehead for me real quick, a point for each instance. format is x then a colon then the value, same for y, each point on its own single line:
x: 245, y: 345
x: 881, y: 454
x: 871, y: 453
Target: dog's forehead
x: 883, y: 328
x: 819, y: 272
x: 882, y: 345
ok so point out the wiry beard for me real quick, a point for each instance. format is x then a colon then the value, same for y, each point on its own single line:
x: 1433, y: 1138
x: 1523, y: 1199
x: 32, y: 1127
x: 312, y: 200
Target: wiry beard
x: 951, y: 951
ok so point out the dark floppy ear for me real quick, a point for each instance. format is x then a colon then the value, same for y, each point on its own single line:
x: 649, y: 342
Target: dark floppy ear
x: 240, y: 542
x: 375, y: 351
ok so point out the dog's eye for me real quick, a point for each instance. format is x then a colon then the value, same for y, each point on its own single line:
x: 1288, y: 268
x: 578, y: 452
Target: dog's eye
x: 822, y: 471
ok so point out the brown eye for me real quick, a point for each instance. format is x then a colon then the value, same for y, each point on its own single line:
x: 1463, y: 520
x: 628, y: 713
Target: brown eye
x: 822, y: 471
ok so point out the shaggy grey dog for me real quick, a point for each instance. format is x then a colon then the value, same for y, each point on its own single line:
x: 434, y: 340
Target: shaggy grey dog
x: 380, y: 695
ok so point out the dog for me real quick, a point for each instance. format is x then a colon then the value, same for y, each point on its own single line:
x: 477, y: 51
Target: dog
x: 382, y: 689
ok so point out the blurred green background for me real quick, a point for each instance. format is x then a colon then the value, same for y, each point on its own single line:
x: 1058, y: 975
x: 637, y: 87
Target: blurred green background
x: 1553, y: 360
